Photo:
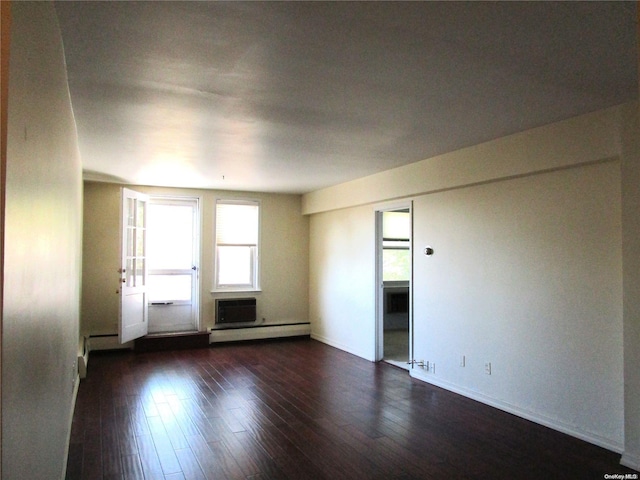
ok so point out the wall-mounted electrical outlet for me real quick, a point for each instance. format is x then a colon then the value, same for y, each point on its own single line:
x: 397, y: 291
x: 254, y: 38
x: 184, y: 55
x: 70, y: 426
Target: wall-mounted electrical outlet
x: 462, y: 361
x: 487, y: 368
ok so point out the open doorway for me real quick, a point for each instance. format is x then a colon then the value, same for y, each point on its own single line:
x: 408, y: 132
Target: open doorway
x: 394, y: 274
x: 173, y: 253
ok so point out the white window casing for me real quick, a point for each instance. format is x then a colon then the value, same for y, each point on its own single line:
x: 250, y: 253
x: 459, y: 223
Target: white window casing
x: 237, y: 237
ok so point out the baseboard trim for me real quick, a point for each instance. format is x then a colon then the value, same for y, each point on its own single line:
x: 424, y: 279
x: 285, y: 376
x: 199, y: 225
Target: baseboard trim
x: 96, y: 343
x: 83, y: 362
x: 107, y: 342
x: 74, y: 398
x: 630, y: 460
x: 264, y: 332
x: 514, y: 410
x: 339, y: 346
x: 83, y: 357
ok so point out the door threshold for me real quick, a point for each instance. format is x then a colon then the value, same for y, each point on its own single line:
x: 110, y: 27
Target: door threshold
x: 177, y: 333
x: 172, y: 341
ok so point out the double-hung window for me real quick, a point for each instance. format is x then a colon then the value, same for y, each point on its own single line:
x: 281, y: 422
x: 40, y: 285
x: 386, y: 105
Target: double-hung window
x: 237, y: 240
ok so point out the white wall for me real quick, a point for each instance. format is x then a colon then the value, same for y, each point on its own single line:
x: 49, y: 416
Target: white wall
x: 284, y: 252
x: 341, y: 281
x: 527, y: 275
x: 42, y: 252
x: 630, y: 145
x: 527, y: 271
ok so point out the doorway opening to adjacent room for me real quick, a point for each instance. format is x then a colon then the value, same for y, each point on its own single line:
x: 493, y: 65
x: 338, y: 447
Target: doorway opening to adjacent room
x: 394, y: 332
x: 173, y: 254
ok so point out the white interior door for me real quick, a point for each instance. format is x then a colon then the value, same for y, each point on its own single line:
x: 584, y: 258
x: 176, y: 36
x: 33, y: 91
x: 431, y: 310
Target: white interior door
x: 133, y: 270
x: 173, y: 256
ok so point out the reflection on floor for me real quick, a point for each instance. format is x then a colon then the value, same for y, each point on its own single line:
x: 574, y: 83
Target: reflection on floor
x: 396, y: 348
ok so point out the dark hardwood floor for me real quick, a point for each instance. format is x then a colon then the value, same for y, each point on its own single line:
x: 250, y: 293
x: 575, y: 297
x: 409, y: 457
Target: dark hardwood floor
x: 298, y: 409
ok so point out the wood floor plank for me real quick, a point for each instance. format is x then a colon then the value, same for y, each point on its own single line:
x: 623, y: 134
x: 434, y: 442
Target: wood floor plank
x: 171, y: 426
x: 247, y: 448
x: 190, y: 467
x: 125, y: 431
x: 209, y: 464
x: 164, y: 447
x: 203, y: 425
x: 138, y: 416
x: 224, y: 458
x: 174, y: 476
x: 247, y: 459
x: 151, y: 466
x: 132, y: 468
x: 300, y: 410
x: 92, y: 458
x: 74, y: 461
x: 320, y: 452
x: 296, y: 465
x: 111, y: 455
x: 181, y: 415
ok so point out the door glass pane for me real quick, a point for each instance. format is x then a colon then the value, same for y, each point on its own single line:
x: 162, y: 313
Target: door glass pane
x: 140, y: 216
x: 169, y: 287
x: 235, y: 265
x: 139, y: 271
x: 130, y: 208
x: 140, y: 242
x: 130, y: 233
x: 129, y: 272
x: 170, y: 237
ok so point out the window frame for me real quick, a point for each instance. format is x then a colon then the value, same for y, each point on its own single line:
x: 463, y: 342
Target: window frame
x: 254, y: 286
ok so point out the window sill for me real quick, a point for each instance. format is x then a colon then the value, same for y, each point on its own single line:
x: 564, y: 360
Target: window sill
x: 233, y: 290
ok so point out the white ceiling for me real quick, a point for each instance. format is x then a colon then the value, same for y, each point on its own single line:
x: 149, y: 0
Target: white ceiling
x: 296, y: 96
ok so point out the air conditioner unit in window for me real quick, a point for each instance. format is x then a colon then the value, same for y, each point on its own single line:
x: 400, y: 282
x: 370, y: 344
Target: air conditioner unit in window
x: 235, y: 310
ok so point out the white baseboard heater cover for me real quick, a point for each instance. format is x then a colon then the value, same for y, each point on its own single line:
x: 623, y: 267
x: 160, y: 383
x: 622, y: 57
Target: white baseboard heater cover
x: 235, y: 310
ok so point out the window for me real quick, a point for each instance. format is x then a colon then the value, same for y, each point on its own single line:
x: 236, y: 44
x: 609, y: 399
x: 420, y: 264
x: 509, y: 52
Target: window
x: 237, y: 234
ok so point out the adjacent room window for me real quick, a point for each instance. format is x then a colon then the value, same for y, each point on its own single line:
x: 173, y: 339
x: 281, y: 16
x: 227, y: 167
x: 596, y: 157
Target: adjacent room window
x: 396, y: 246
x: 237, y: 235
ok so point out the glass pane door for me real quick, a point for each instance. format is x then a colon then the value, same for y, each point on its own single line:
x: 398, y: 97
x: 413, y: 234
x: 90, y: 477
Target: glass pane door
x: 132, y: 284
x: 172, y: 256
